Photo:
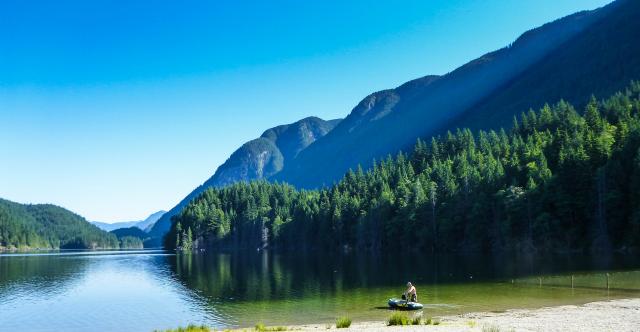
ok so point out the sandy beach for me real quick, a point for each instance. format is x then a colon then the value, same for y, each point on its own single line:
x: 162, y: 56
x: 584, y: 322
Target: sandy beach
x: 615, y: 315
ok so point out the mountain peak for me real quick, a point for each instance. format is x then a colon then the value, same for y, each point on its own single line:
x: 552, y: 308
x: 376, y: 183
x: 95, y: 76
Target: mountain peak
x: 259, y: 158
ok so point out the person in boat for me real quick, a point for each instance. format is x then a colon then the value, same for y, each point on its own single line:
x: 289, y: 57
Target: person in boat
x: 410, y: 294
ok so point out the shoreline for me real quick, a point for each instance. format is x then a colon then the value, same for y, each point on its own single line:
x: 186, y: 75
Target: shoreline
x: 611, y: 315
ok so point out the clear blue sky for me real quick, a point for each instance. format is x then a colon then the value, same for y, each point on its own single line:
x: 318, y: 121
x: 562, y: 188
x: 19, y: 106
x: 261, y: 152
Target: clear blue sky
x: 116, y: 109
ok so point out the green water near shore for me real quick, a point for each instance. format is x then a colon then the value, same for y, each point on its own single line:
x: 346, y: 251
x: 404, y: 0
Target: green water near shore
x: 147, y: 290
x: 281, y: 289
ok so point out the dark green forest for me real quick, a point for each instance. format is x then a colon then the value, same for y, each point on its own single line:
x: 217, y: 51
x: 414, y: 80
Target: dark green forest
x: 559, y: 180
x: 46, y: 226
x: 130, y: 237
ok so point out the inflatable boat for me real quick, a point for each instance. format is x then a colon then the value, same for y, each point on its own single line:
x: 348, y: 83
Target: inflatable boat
x: 404, y: 304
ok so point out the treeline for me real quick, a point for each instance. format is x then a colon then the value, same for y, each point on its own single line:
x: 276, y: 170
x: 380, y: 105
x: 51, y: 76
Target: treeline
x: 557, y: 181
x: 46, y: 226
x: 131, y: 237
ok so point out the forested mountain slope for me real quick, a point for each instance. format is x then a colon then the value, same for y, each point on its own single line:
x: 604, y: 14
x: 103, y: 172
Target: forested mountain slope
x: 557, y: 181
x: 46, y: 226
x: 257, y: 159
x: 591, y: 52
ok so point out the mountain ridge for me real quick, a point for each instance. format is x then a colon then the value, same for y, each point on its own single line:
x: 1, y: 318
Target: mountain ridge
x: 259, y: 158
x: 559, y: 181
x: 391, y: 120
x: 484, y: 93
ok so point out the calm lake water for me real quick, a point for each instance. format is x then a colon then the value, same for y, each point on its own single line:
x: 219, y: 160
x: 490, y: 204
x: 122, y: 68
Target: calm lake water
x: 147, y: 290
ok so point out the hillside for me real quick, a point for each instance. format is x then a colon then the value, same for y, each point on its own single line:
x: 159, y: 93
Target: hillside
x: 260, y: 158
x: 599, y: 61
x: 590, y: 52
x: 46, y: 226
x: 558, y: 181
x: 131, y: 237
x: 129, y: 231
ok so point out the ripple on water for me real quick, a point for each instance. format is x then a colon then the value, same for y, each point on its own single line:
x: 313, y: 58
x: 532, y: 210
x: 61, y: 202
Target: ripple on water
x: 147, y: 290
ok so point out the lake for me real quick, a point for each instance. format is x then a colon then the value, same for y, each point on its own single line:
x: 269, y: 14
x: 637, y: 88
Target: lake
x: 153, y: 289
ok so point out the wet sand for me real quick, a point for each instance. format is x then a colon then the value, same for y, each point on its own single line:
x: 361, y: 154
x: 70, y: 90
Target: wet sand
x: 615, y: 315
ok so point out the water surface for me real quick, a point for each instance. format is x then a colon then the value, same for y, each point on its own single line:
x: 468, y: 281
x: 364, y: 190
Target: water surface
x: 147, y: 290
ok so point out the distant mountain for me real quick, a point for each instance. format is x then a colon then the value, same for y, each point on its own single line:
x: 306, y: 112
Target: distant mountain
x: 148, y: 223
x: 144, y: 225
x: 47, y: 226
x: 109, y: 227
x: 257, y: 159
x: 590, y: 52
